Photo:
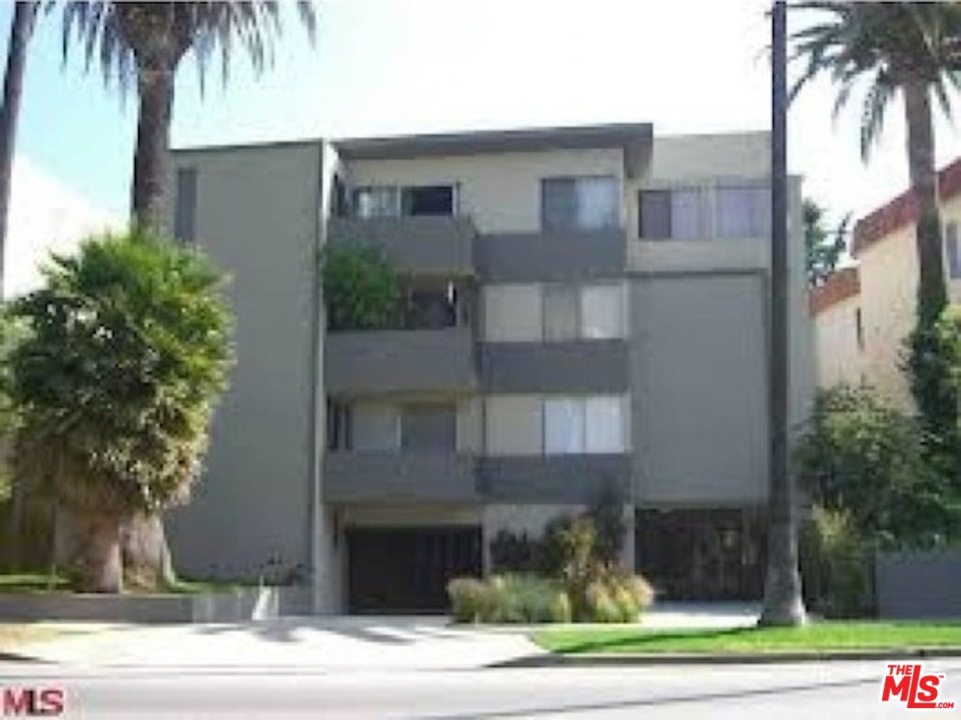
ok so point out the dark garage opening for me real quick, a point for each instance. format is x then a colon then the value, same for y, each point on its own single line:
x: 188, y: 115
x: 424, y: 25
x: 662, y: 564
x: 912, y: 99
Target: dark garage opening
x: 701, y: 554
x: 406, y: 570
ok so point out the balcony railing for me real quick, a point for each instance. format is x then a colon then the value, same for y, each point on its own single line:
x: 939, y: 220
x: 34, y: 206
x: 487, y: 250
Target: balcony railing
x: 359, y: 476
x: 379, y: 361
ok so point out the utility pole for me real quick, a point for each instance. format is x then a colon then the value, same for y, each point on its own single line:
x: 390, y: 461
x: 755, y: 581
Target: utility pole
x: 783, y: 603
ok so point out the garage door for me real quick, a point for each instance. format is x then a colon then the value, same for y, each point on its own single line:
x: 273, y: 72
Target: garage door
x: 406, y: 570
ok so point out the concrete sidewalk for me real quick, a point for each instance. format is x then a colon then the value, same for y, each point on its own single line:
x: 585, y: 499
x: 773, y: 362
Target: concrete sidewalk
x: 337, y: 643
x: 319, y: 643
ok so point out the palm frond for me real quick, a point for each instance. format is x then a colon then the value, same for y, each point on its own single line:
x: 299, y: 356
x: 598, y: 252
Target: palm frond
x: 876, y: 102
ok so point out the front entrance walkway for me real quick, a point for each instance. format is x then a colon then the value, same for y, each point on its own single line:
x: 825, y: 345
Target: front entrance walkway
x: 695, y: 615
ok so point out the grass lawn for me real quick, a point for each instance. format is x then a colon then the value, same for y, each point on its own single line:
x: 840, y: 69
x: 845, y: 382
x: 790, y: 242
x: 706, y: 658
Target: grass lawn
x: 830, y: 635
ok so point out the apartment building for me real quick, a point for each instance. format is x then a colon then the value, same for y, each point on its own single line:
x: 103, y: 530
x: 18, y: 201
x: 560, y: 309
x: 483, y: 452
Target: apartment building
x: 862, y: 314
x: 586, y: 308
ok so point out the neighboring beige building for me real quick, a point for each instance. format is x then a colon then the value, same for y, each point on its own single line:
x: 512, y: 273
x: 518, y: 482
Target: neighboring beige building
x: 863, y: 314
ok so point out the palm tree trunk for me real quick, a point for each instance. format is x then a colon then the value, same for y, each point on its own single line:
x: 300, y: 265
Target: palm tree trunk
x: 929, y: 370
x: 932, y: 292
x: 20, y: 29
x: 87, y: 550
x: 155, y: 84
x: 783, y: 604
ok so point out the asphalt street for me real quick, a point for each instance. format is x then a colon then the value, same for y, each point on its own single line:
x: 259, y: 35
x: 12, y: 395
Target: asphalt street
x: 846, y: 690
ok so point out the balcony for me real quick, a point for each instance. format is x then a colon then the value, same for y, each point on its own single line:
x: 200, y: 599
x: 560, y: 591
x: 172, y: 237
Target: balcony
x: 369, y: 476
x: 385, y: 361
x: 552, y: 255
x: 430, y: 244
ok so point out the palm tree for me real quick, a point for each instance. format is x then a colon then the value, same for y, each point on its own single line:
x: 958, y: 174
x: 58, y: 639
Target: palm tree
x: 128, y: 350
x: 911, y: 49
x: 142, y: 43
x: 21, y: 27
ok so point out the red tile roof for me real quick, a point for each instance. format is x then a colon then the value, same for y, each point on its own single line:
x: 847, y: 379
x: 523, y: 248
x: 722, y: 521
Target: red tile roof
x: 839, y: 286
x: 902, y: 210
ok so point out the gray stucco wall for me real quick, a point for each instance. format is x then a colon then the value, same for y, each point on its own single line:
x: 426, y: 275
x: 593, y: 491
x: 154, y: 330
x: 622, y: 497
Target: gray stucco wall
x: 918, y: 584
x: 256, y: 216
x: 698, y: 375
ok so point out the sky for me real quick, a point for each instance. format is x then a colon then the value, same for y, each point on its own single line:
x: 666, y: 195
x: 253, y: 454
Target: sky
x: 382, y: 67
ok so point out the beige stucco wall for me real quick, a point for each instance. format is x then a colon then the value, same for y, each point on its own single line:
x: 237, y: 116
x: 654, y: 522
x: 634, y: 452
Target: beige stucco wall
x: 513, y: 425
x: 501, y: 192
x: 838, y: 358
x: 889, y: 275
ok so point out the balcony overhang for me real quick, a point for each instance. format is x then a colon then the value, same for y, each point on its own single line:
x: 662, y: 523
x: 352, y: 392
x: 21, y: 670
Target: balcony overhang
x: 635, y: 139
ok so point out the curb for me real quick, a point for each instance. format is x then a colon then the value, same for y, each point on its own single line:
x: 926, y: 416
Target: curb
x: 548, y: 660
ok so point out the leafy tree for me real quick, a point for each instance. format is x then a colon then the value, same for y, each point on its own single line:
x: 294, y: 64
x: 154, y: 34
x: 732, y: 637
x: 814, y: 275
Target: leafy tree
x: 866, y: 459
x: 361, y: 289
x: 823, y: 249
x: 142, y: 44
x: 128, y: 351
x: 911, y: 49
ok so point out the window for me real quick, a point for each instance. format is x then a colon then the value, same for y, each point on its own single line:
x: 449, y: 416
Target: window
x: 428, y: 200
x: 588, y: 312
x: 743, y: 211
x: 409, y: 201
x: 602, y: 312
x: 584, y: 425
x: 431, y: 306
x: 561, y: 316
x: 375, y: 428
x: 953, y: 247
x: 582, y: 203
x: 604, y: 424
x: 429, y: 427
x: 563, y: 426
x: 377, y: 202
x: 338, y: 426
x: 185, y: 219
x: 677, y: 214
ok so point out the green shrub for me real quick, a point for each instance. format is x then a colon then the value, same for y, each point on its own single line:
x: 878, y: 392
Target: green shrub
x: 607, y: 516
x: 642, y: 591
x: 836, y: 564
x: 600, y: 606
x: 863, y: 457
x: 471, y: 600
x: 523, y: 598
x: 560, y: 608
x: 361, y: 289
